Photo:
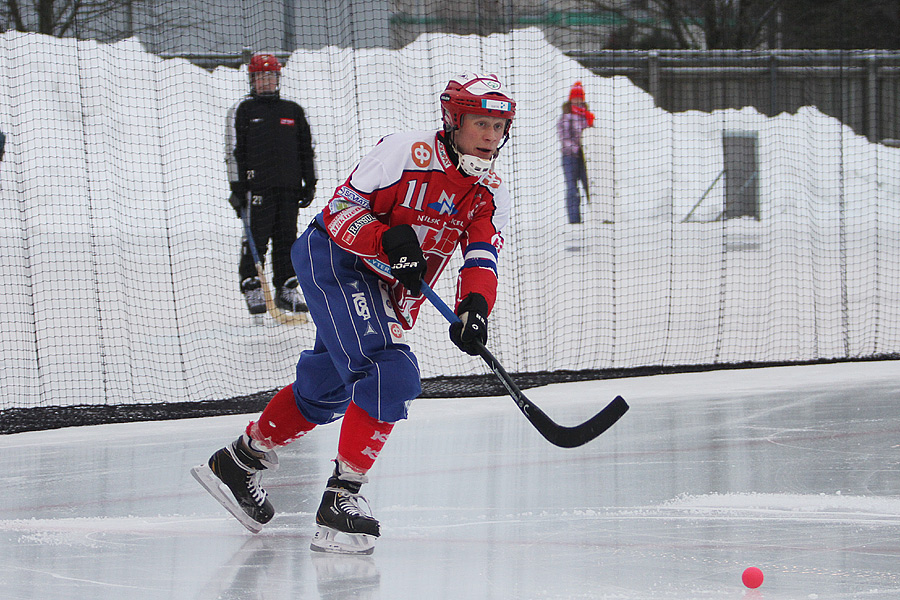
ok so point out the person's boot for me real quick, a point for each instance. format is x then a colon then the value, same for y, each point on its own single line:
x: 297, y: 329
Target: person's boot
x: 288, y: 297
x: 253, y: 295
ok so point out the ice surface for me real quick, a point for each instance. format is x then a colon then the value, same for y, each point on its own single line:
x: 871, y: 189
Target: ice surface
x: 794, y: 470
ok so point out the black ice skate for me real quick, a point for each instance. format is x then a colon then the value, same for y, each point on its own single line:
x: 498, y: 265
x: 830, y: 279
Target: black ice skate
x: 288, y: 297
x: 343, y: 526
x: 253, y: 294
x: 232, y: 477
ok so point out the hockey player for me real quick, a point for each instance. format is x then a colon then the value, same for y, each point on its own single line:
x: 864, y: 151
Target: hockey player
x: 269, y: 154
x: 393, y: 223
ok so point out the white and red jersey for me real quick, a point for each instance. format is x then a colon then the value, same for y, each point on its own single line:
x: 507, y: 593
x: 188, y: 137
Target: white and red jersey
x: 408, y: 178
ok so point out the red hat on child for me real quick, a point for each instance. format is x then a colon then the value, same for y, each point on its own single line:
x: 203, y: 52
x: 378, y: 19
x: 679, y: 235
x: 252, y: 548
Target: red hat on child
x: 577, y: 92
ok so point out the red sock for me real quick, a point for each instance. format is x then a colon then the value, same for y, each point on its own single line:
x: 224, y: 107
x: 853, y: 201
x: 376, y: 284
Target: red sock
x: 362, y: 438
x: 280, y: 423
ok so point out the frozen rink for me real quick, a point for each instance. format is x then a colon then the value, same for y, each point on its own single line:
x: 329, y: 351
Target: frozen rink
x: 795, y: 470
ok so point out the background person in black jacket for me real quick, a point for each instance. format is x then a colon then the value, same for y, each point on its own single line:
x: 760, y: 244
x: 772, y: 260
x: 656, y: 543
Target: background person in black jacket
x: 269, y: 154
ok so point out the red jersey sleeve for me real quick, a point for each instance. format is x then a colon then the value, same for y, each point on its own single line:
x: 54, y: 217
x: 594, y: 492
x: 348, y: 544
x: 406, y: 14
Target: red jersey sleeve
x: 349, y: 218
x: 481, y: 246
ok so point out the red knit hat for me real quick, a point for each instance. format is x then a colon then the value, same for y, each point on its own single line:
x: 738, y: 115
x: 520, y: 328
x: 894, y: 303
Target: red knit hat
x: 577, y: 92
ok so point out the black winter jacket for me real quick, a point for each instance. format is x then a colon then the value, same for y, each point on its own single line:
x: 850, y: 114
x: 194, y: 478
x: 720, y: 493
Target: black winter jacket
x: 268, y: 144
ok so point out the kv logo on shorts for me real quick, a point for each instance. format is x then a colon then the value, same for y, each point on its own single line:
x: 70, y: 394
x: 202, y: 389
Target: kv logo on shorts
x: 361, y: 306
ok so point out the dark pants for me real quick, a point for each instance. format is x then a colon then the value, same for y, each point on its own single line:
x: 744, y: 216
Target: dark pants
x: 575, y: 172
x: 273, y: 216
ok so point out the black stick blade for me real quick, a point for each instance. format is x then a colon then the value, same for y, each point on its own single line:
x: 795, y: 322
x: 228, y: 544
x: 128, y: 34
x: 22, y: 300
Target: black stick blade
x: 572, y: 437
x: 564, y: 437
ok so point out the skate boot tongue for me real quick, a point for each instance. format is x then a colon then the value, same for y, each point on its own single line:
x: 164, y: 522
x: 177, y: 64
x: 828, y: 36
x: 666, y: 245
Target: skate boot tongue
x: 347, y: 480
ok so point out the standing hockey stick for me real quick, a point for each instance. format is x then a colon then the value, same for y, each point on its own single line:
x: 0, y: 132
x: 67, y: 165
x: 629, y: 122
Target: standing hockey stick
x: 559, y: 435
x: 275, y: 312
x: 587, y: 188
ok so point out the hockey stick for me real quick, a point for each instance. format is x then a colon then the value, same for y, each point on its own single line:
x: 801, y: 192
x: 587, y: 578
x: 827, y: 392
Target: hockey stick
x: 587, y: 188
x: 559, y: 435
x: 275, y: 312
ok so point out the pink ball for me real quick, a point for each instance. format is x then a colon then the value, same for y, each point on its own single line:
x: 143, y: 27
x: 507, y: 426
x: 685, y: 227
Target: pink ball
x: 752, y: 577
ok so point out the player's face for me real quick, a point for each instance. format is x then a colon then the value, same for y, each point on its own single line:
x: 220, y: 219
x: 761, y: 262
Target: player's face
x: 480, y: 135
x: 265, y: 82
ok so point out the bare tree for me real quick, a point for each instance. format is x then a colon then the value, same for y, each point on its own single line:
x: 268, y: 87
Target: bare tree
x: 712, y: 24
x: 104, y: 20
x: 841, y: 24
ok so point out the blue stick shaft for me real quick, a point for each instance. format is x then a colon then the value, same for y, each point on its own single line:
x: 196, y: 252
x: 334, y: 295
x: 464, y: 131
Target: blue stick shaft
x: 439, y: 304
x: 245, y: 217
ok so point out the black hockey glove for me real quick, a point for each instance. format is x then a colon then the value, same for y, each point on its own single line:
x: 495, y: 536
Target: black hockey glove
x: 306, y: 194
x: 239, y: 188
x: 238, y: 197
x: 238, y: 203
x: 472, y: 311
x: 405, y: 255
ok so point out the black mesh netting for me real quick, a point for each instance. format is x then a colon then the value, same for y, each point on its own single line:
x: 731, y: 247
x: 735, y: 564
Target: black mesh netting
x: 17, y: 420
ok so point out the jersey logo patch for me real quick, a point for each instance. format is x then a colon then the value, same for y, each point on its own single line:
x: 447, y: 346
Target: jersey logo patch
x: 355, y: 226
x: 442, y: 156
x: 349, y: 194
x: 396, y: 332
x: 492, y: 180
x: 343, y: 217
x: 421, y: 154
x: 444, y: 206
x: 287, y: 122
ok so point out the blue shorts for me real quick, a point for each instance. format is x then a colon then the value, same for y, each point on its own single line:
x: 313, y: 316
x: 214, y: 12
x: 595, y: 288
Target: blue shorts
x: 360, y: 354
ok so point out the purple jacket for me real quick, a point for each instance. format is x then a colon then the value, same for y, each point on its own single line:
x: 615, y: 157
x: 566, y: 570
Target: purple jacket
x: 569, y: 128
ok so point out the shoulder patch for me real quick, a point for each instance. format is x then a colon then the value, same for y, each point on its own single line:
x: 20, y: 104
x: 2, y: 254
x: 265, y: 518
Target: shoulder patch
x: 421, y: 154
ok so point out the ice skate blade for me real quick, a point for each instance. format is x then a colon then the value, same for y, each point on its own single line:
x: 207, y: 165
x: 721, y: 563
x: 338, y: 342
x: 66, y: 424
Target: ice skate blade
x: 333, y: 541
x: 218, y: 490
